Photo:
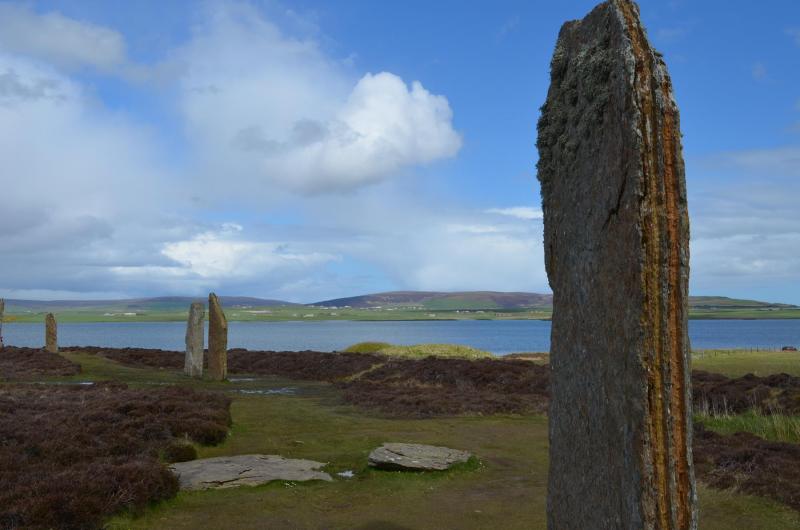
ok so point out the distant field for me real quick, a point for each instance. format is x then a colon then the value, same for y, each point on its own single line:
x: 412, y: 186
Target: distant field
x: 736, y: 363
x: 289, y: 313
x: 279, y: 314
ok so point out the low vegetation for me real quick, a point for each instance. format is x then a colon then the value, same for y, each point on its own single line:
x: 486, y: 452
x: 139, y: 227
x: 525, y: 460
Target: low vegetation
x: 716, y: 394
x: 420, y: 351
x: 438, y: 386
x: 28, y: 363
x: 489, y: 407
x: 71, y: 455
x: 747, y: 463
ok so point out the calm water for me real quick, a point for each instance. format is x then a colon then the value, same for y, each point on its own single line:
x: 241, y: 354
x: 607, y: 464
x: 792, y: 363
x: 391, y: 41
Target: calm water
x: 498, y: 336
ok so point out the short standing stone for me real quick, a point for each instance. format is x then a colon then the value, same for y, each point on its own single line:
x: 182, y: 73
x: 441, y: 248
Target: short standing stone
x: 616, y: 237
x: 50, y: 333
x: 217, y: 340
x: 416, y: 457
x: 193, y: 366
x: 245, y: 470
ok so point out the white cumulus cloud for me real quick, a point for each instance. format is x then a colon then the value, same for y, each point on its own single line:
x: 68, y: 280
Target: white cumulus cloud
x: 266, y: 109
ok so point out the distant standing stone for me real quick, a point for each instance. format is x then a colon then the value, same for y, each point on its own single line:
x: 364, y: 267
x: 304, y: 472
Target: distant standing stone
x: 416, y: 457
x: 50, y: 333
x: 217, y: 340
x: 245, y: 470
x: 616, y: 239
x: 2, y: 310
x: 193, y: 366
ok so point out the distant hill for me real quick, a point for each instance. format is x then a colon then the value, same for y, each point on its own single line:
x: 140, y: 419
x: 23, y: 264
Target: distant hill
x: 422, y: 300
x: 502, y: 300
x: 723, y: 302
x: 162, y: 303
x: 444, y: 300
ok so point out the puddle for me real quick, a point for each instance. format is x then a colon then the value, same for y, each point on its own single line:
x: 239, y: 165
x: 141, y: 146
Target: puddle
x: 287, y: 391
x: 346, y: 474
x: 241, y: 379
x: 69, y: 383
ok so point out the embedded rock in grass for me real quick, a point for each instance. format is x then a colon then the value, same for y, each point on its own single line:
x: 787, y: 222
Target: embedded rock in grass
x: 416, y: 457
x: 617, y: 257
x: 50, y: 333
x: 193, y: 365
x: 245, y: 470
x: 217, y: 340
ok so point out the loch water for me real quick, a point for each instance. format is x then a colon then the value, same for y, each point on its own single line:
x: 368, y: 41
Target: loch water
x: 497, y: 336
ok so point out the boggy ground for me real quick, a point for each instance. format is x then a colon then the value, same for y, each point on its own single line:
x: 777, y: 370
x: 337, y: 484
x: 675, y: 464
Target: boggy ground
x: 72, y: 455
x: 313, y: 420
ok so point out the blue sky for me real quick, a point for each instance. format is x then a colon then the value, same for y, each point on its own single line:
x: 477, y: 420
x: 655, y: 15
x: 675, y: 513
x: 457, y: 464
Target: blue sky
x: 308, y: 150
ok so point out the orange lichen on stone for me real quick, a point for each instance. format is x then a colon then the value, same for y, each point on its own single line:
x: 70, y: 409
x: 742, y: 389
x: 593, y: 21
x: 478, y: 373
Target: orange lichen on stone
x: 604, y: 66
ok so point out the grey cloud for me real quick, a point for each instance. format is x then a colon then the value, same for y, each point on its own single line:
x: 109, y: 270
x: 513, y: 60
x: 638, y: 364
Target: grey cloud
x: 14, y: 89
x: 252, y: 139
x: 302, y: 134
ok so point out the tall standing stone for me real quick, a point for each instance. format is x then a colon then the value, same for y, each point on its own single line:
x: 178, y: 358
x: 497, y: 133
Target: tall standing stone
x: 193, y: 365
x: 217, y: 340
x: 2, y: 310
x: 50, y: 333
x: 616, y: 234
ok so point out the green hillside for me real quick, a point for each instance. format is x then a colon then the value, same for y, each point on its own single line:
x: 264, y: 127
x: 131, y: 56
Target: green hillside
x: 398, y: 305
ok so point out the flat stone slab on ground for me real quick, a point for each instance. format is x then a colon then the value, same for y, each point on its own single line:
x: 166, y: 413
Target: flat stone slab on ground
x: 416, y: 457
x: 245, y: 470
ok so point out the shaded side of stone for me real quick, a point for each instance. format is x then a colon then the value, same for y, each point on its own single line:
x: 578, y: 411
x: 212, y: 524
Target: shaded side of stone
x: 616, y: 252
x: 217, y: 340
x: 193, y: 364
x: 50, y: 333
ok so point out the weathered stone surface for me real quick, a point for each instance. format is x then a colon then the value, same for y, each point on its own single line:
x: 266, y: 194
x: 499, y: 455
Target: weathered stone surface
x: 2, y: 311
x: 217, y: 340
x: 617, y: 257
x: 50, y: 333
x: 416, y: 457
x: 245, y: 470
x: 193, y: 365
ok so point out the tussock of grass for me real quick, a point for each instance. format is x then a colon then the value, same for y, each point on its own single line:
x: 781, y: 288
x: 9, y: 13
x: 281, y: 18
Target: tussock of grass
x: 367, y: 347
x: 420, y: 351
x: 773, y: 427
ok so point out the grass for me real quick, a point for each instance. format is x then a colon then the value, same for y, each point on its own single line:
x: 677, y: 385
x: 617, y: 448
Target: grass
x: 736, y: 363
x: 506, y: 488
x: 775, y: 427
x: 420, y: 351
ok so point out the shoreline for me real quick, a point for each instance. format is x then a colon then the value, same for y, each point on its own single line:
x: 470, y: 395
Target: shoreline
x: 39, y: 318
